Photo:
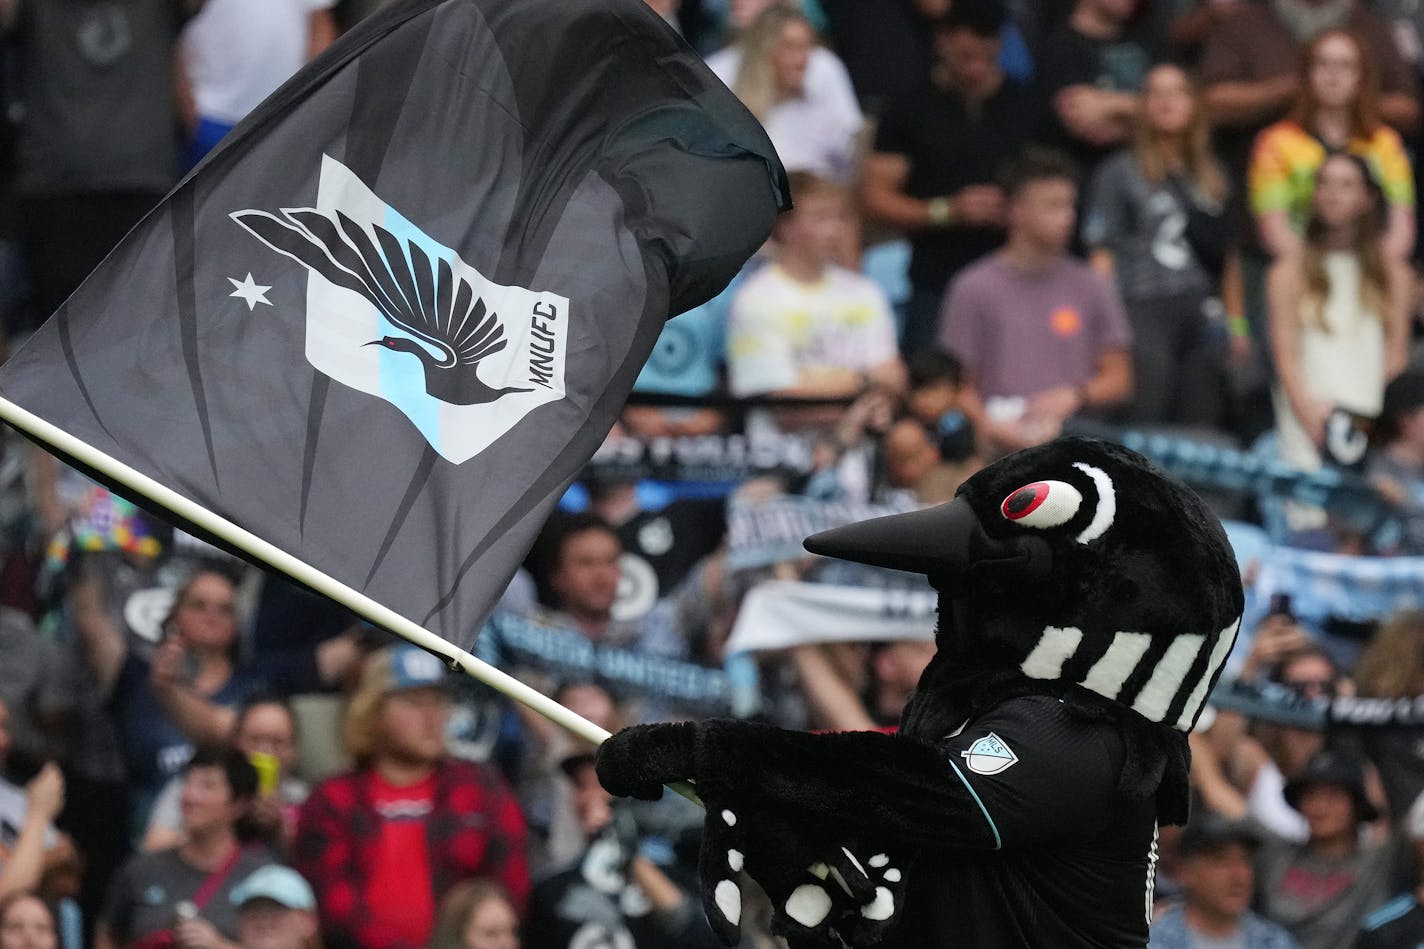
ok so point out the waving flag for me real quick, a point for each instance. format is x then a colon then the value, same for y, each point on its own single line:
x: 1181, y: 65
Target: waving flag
x: 389, y: 319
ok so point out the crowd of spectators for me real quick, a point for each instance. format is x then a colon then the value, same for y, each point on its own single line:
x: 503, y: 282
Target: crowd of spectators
x: 1192, y: 221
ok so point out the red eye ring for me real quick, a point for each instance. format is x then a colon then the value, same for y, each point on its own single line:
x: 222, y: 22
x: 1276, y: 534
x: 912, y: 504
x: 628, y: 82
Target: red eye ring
x: 1042, y: 505
x: 1025, y: 500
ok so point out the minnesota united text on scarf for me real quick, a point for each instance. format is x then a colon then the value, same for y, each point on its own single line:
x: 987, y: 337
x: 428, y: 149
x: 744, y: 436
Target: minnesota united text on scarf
x: 391, y: 317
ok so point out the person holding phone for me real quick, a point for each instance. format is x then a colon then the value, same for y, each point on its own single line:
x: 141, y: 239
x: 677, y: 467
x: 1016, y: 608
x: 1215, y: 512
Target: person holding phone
x: 266, y: 732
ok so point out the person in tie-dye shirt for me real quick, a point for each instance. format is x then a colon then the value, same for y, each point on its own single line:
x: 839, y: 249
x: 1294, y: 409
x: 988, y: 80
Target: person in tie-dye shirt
x: 1337, y: 111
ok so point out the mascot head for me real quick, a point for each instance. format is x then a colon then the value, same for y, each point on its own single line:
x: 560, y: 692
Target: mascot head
x: 1072, y: 565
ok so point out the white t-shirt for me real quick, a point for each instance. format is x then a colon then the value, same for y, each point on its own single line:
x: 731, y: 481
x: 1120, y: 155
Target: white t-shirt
x: 815, y: 131
x: 780, y: 327
x: 237, y: 52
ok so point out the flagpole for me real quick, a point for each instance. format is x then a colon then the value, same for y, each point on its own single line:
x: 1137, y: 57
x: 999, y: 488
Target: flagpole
x: 281, y: 560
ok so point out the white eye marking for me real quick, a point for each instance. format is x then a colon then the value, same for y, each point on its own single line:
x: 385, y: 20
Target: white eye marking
x: 809, y: 905
x: 1107, y: 503
x: 883, y: 907
x: 735, y: 860
x: 1042, y: 504
x: 729, y: 818
x: 729, y: 901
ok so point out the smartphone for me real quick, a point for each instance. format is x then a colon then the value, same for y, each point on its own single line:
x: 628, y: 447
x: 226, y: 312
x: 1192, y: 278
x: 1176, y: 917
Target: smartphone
x: 267, y: 769
x: 1281, y: 605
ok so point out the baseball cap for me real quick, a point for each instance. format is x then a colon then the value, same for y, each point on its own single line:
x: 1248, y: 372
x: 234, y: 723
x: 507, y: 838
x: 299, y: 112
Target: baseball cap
x: 414, y: 668
x: 276, y: 883
x: 1332, y: 768
x: 1208, y: 831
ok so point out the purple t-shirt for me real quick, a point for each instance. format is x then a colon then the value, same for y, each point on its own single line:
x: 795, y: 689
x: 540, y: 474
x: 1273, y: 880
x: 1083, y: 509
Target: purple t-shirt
x: 1020, y: 333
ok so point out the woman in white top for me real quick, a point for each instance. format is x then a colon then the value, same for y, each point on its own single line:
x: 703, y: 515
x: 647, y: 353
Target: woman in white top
x: 1339, y: 319
x: 798, y: 90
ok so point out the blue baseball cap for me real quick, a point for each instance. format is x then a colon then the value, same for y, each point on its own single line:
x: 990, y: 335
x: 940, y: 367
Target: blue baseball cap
x: 276, y: 883
x: 414, y: 668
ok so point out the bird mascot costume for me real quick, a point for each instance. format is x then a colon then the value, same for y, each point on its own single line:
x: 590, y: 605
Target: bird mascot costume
x: 1087, y: 603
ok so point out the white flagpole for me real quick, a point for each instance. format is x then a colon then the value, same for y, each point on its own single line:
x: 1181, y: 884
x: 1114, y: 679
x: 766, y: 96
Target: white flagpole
x: 284, y: 562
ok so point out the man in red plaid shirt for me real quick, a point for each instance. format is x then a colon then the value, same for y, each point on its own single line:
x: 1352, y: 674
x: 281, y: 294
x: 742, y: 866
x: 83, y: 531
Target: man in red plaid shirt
x: 382, y: 844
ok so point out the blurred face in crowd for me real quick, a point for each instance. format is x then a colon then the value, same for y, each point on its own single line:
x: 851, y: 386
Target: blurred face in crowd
x: 1311, y: 675
x: 1336, y: 72
x: 205, y: 614
x: 900, y: 664
x: 1341, y: 193
x: 27, y: 924
x: 815, y: 229
x: 909, y: 453
x: 1167, y: 102
x: 1219, y: 881
x: 741, y: 13
x: 493, y: 925
x: 932, y: 9
x: 1329, y: 810
x: 585, y: 579
x: 971, y: 61
x: 592, y: 702
x: 1042, y: 214
x: 590, y: 801
x: 413, y: 725
x: 207, y: 801
x: 791, y: 56
x: 267, y: 924
x: 268, y: 729
x: 930, y: 401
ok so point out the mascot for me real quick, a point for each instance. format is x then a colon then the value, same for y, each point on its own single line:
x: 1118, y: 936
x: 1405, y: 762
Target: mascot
x: 1087, y: 603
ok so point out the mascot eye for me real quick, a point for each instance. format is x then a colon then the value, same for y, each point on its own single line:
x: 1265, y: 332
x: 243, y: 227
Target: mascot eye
x: 1042, y: 504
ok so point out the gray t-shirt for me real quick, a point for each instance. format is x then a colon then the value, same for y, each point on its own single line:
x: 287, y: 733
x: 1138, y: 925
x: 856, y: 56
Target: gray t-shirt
x: 1321, y: 903
x: 98, y: 81
x: 144, y: 894
x: 1021, y: 333
x: 1144, y: 226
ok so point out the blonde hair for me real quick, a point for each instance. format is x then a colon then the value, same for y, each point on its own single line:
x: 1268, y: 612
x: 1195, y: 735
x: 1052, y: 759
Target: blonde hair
x: 1201, y: 164
x: 361, y: 726
x: 1392, y: 663
x: 459, y: 905
x: 756, y: 77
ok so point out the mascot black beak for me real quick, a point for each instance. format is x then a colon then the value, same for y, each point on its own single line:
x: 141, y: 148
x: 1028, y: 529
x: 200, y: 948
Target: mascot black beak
x: 941, y: 542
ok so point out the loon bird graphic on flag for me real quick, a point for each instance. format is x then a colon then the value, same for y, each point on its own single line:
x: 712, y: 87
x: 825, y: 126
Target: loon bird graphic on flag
x: 413, y: 296
x: 454, y: 238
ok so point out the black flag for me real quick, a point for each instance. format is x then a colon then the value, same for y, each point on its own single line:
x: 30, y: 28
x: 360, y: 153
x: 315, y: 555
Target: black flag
x: 389, y: 319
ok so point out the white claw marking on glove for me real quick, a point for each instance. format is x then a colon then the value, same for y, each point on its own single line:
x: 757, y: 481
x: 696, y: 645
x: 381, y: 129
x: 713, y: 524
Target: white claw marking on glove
x: 856, y: 863
x: 819, y: 870
x: 882, y: 908
x: 809, y: 905
x: 729, y: 900
x: 729, y: 818
x: 893, y: 875
x: 877, y: 861
x: 734, y: 860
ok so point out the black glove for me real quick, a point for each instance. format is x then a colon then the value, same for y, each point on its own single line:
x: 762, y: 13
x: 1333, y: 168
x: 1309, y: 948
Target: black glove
x: 822, y: 889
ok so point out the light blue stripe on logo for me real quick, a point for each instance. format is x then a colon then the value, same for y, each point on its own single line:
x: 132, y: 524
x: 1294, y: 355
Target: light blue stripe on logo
x: 402, y: 378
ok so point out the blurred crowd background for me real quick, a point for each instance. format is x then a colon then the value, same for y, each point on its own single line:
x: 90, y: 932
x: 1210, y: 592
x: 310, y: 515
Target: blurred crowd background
x: 1185, y: 225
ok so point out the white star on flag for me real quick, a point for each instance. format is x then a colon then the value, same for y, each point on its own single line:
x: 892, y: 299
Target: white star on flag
x: 250, y: 292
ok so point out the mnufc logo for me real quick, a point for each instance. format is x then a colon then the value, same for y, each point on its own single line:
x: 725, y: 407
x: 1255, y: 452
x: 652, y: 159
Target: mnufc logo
x: 395, y: 314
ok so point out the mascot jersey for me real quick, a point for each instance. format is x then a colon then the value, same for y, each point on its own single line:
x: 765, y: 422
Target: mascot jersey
x: 1087, y: 605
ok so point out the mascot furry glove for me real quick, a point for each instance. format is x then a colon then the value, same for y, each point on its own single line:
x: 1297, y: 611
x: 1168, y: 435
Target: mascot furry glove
x: 1087, y: 605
